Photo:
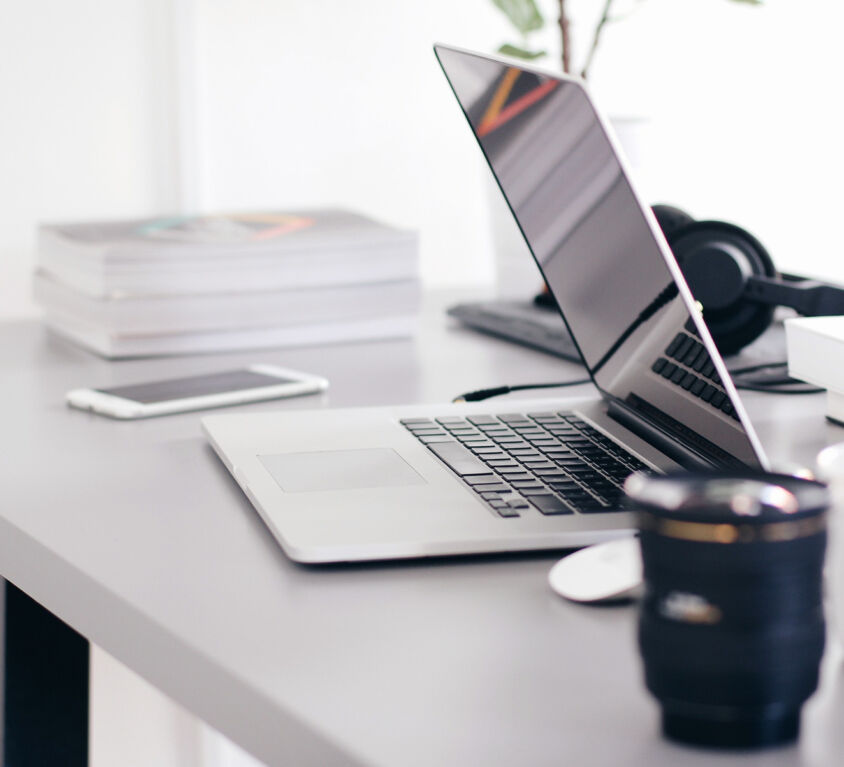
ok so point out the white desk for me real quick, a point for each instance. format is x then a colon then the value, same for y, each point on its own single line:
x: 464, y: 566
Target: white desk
x: 135, y: 535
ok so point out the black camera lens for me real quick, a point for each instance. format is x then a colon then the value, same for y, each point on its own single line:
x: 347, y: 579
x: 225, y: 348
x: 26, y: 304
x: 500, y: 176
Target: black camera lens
x: 731, y: 626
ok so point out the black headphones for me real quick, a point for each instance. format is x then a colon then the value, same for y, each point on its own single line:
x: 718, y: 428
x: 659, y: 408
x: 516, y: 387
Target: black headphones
x: 734, y: 278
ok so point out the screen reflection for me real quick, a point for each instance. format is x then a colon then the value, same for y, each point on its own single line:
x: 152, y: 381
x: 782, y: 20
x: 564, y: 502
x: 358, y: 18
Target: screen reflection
x: 597, y: 252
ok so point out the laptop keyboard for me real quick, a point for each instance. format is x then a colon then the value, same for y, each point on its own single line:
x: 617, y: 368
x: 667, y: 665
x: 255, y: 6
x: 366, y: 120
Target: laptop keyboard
x: 687, y: 364
x: 555, y: 463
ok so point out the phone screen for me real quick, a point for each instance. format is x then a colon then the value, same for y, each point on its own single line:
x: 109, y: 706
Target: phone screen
x: 195, y: 386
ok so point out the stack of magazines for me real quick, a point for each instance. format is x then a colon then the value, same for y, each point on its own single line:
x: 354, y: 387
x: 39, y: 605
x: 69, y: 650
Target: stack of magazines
x: 187, y: 284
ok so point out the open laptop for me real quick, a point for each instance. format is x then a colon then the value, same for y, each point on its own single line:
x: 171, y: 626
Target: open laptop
x: 385, y: 483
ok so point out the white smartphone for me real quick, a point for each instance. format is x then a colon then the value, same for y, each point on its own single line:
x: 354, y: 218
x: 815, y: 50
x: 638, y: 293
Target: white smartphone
x: 177, y: 395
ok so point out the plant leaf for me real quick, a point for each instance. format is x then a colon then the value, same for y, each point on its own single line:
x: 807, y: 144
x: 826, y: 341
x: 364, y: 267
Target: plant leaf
x: 524, y: 15
x: 519, y: 52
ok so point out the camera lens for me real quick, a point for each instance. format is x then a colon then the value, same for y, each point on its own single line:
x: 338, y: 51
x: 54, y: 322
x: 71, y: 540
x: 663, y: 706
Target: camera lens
x: 731, y: 627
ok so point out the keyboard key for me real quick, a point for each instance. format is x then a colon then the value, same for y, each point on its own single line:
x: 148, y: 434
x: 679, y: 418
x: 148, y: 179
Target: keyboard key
x: 482, y: 479
x: 509, y: 511
x: 501, y: 468
x: 412, y: 421
x: 684, y: 348
x: 429, y: 440
x: 491, y: 488
x: 675, y: 344
x: 538, y: 465
x: 550, y: 504
x: 481, y: 419
x: 691, y: 355
x: 531, y: 484
x: 458, y: 458
x: 528, y: 492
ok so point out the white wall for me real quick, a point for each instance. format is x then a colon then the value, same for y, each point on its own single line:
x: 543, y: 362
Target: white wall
x: 133, y: 107
x: 336, y: 102
x: 747, y: 116
x: 85, y: 130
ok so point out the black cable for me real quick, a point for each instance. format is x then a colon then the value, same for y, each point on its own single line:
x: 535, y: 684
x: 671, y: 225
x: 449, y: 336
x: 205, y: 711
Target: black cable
x: 784, y: 385
x: 774, y: 390
x: 482, y: 394
x: 754, y: 368
x: 774, y: 386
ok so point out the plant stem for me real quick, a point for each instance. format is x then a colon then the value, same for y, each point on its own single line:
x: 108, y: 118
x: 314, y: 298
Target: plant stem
x: 596, y: 38
x: 565, y: 36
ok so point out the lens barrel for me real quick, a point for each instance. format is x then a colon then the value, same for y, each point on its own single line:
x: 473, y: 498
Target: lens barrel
x: 731, y: 627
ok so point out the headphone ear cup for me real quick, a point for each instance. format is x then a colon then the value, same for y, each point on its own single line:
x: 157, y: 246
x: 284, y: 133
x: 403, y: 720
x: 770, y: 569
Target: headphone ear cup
x: 716, y: 259
x: 671, y: 219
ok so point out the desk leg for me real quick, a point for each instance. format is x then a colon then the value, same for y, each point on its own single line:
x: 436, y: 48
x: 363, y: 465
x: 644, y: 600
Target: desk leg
x: 45, y: 686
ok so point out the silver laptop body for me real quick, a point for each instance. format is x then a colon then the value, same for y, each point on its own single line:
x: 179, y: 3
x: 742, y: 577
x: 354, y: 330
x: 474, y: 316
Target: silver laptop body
x: 375, y: 483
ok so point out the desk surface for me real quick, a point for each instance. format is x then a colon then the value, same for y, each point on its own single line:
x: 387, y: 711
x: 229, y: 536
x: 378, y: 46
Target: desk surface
x: 135, y: 535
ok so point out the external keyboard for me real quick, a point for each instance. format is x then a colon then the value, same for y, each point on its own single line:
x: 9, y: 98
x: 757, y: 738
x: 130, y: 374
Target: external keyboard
x: 555, y: 463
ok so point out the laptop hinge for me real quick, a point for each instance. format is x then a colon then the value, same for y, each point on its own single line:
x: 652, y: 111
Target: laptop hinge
x: 672, y: 447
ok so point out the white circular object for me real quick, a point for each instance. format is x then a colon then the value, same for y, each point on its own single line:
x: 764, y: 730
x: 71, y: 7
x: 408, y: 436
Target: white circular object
x: 604, y: 572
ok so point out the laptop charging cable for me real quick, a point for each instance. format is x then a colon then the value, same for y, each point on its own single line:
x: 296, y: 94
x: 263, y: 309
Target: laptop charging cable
x: 482, y: 394
x: 742, y: 377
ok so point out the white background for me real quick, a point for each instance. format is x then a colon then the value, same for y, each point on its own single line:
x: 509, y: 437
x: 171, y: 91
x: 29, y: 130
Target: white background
x: 138, y: 107
x: 135, y: 107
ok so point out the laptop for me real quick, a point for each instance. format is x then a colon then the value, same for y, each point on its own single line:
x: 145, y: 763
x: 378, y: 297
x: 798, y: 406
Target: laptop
x: 337, y: 485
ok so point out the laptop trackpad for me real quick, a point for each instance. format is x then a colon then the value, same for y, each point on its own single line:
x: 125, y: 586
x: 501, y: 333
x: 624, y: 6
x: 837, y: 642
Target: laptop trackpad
x: 340, y: 470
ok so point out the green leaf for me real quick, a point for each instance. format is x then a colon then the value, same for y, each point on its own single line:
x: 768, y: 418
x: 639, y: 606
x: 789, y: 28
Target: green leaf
x: 523, y: 14
x: 520, y: 53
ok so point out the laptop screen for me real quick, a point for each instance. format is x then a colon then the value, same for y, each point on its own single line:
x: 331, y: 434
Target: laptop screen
x: 618, y: 287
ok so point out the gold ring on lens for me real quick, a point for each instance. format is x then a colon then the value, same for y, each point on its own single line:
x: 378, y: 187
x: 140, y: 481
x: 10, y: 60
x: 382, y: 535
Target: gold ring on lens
x: 726, y: 533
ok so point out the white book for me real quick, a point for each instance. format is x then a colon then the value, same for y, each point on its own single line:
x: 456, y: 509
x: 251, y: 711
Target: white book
x: 240, y: 251
x: 227, y: 311
x: 116, y: 346
x: 169, y: 238
x: 815, y: 348
x: 349, y: 266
